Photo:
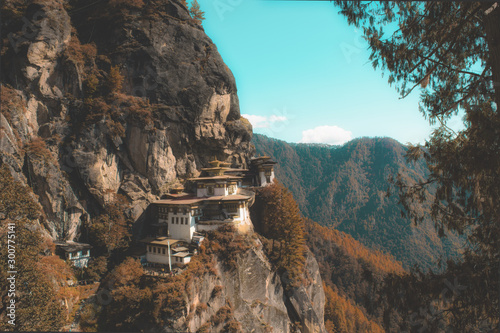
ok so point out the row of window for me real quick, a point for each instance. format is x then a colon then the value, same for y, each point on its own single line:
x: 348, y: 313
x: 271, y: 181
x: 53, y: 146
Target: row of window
x: 161, y: 250
x: 176, y: 210
x: 78, y: 254
x: 182, y: 220
x: 231, y: 208
x: 210, y: 190
x: 155, y: 249
x: 211, y: 185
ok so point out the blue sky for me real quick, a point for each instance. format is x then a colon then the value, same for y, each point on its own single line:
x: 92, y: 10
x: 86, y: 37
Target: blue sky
x: 303, y: 73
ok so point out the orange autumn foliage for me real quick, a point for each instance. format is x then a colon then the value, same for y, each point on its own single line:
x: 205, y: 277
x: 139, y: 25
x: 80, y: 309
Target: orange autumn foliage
x: 343, y: 316
x: 383, y: 262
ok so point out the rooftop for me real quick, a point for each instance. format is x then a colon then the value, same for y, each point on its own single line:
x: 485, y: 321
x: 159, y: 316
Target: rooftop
x: 180, y: 249
x: 178, y: 195
x: 223, y: 177
x: 70, y: 246
x: 233, y: 197
x: 184, y: 201
x: 181, y: 254
x: 159, y: 241
x: 217, y: 163
x: 265, y: 157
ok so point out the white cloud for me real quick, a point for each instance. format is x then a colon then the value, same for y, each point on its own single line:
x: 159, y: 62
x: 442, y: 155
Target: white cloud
x: 332, y: 135
x: 262, y: 121
x: 275, y: 118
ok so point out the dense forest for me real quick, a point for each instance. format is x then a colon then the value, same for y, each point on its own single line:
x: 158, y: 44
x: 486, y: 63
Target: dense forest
x: 346, y: 187
x: 354, y: 280
x: 354, y: 277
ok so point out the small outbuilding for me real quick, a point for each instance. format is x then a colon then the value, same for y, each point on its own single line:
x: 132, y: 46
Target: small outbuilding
x: 76, y: 253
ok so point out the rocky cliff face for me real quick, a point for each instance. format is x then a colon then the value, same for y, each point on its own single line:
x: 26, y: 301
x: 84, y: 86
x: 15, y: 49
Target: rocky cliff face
x: 78, y: 133
x: 260, y: 300
x: 168, y: 64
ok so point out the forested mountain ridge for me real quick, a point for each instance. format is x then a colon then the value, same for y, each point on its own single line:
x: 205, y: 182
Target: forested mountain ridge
x: 346, y: 186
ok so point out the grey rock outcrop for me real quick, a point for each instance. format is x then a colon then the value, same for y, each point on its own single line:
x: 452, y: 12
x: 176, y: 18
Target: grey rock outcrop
x: 257, y: 296
x: 306, y: 302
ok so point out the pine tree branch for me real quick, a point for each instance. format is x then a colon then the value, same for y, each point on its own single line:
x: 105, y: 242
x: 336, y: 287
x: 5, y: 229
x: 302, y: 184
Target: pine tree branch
x: 455, y: 33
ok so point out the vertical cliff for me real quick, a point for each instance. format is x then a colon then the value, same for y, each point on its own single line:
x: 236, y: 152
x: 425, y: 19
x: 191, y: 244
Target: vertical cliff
x: 129, y: 97
x: 76, y: 138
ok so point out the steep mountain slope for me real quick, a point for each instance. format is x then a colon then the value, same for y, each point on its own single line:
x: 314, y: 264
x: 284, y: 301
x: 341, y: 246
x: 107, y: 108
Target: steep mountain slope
x: 354, y: 278
x: 346, y: 187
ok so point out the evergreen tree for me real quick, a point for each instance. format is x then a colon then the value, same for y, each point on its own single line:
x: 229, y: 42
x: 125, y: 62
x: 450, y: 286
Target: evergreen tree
x: 115, y: 80
x: 110, y: 231
x: 283, y: 224
x: 439, y: 47
x: 196, y: 13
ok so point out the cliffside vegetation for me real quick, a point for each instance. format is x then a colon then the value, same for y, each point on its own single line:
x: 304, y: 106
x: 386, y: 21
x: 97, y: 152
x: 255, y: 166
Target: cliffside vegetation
x: 278, y: 219
x: 141, y: 302
x: 40, y: 279
x: 197, y: 14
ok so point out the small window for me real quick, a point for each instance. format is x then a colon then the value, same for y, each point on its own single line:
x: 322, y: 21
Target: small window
x: 172, y: 220
x: 163, y: 251
x: 176, y: 220
x: 149, y: 248
x: 232, y: 208
x: 210, y: 190
x: 154, y: 249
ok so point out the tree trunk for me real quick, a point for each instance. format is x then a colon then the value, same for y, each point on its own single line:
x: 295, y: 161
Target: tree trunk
x: 491, y: 24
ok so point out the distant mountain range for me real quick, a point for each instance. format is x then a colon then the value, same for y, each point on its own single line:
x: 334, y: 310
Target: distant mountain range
x: 345, y: 187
